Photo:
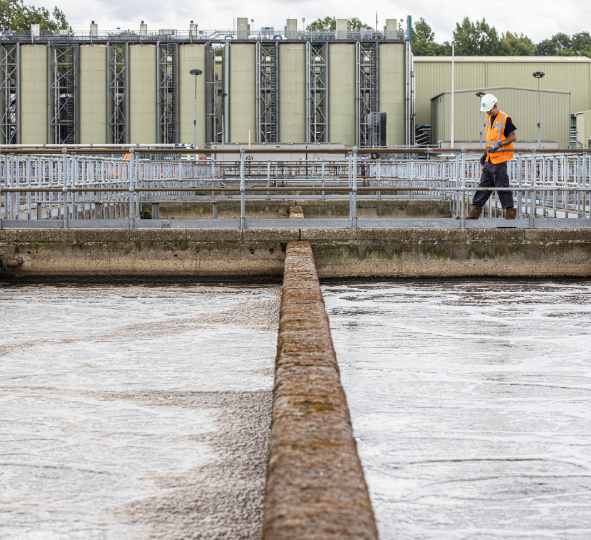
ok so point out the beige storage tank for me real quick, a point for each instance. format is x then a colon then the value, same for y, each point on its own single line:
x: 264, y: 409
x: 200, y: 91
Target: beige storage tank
x: 143, y: 115
x: 191, y: 57
x: 292, y: 92
x: 341, y: 93
x: 391, y: 91
x: 93, y: 94
x: 33, y: 94
x: 242, y: 92
x: 521, y: 104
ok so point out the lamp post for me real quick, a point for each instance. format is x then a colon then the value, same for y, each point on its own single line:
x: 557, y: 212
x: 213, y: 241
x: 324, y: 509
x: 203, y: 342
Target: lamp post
x: 480, y: 94
x: 195, y: 72
x: 538, y: 75
x: 453, y: 55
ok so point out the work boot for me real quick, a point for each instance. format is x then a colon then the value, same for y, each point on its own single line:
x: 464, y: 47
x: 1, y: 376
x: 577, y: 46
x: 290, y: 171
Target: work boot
x: 510, y: 213
x: 475, y: 212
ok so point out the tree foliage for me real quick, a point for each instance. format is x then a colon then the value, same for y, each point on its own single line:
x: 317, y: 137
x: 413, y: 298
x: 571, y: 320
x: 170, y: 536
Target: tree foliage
x: 476, y: 39
x: 15, y: 15
x: 480, y: 39
x: 329, y: 24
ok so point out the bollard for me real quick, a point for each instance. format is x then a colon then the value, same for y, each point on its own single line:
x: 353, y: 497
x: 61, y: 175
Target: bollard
x: 215, y: 210
x: 99, y: 210
x: 39, y: 212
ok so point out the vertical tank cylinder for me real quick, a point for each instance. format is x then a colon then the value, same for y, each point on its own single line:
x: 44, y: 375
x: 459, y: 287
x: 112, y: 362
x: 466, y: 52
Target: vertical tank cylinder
x: 143, y: 117
x: 392, y: 70
x: 242, y: 92
x: 292, y: 92
x: 33, y: 94
x: 341, y: 88
x: 191, y: 57
x: 93, y: 94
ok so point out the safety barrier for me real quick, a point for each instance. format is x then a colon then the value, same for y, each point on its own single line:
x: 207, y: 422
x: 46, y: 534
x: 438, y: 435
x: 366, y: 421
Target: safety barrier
x: 93, y: 187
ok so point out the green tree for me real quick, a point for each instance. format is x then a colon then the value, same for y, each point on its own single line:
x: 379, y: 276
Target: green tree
x: 516, y: 45
x: 580, y: 43
x: 559, y: 45
x: 423, y: 40
x: 476, y: 38
x: 15, y: 15
x: 323, y: 25
x: 329, y: 24
x: 355, y: 24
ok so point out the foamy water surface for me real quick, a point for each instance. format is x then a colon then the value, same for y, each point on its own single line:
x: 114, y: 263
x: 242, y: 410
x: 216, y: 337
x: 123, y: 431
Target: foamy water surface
x: 471, y: 402
x: 134, y: 411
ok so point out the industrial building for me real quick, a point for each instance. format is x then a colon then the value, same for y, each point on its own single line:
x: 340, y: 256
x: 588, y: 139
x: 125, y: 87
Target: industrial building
x: 520, y: 103
x: 432, y: 77
x: 268, y: 86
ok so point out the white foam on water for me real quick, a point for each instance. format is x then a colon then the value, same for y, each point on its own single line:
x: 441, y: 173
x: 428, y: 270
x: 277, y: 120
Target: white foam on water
x: 119, y: 402
x: 471, y: 405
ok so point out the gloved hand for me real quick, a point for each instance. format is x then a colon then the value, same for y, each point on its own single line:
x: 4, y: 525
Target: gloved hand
x: 483, y: 159
x: 494, y: 148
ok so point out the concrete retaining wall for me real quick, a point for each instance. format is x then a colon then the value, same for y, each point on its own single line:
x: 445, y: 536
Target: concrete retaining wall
x: 340, y: 253
x: 261, y: 209
x: 315, y: 483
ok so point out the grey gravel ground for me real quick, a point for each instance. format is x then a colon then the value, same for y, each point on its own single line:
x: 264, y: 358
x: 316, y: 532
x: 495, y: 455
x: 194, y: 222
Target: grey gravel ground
x: 134, y: 412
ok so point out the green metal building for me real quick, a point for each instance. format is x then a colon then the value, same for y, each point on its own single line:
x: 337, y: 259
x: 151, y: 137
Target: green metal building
x: 519, y: 103
x: 567, y: 74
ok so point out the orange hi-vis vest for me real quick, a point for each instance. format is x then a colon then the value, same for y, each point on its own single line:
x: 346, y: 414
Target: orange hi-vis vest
x: 496, y: 134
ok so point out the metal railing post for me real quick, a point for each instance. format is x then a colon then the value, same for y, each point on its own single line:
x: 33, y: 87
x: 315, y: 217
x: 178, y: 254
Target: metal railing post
x: 353, y: 188
x: 132, y: 165
x: 242, y: 192
x: 462, y: 177
x: 66, y: 212
x: 532, y: 191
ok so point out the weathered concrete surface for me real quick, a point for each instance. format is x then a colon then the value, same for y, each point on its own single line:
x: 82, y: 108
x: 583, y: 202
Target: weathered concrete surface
x: 296, y: 212
x: 315, y: 483
x: 274, y: 209
x: 341, y: 253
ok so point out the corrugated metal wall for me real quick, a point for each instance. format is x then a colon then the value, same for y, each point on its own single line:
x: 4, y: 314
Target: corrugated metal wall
x: 143, y: 114
x: 433, y: 76
x: 584, y: 128
x: 93, y: 94
x: 33, y: 94
x: 519, y: 103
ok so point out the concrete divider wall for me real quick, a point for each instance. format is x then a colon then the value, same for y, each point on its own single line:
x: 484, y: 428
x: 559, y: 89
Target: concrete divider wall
x: 330, y: 208
x: 315, y: 483
x: 340, y: 253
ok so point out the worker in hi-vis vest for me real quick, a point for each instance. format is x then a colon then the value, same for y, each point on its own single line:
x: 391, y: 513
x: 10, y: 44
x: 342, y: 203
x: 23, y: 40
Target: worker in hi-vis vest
x: 500, y: 133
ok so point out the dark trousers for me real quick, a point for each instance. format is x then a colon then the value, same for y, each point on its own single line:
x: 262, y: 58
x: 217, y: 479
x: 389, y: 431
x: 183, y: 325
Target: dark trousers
x: 494, y: 176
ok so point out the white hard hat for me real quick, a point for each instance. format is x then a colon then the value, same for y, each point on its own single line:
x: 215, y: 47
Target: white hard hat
x: 488, y: 102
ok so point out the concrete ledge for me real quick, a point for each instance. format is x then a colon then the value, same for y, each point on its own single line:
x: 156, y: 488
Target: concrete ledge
x: 339, y: 253
x: 315, y: 483
x: 329, y: 208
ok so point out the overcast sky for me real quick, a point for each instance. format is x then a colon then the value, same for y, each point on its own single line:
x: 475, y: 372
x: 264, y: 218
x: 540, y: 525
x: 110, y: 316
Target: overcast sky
x: 538, y: 19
